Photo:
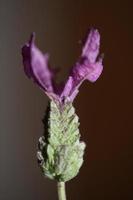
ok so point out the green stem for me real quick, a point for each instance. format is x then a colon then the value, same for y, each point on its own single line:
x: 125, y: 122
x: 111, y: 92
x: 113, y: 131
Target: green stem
x: 61, y: 190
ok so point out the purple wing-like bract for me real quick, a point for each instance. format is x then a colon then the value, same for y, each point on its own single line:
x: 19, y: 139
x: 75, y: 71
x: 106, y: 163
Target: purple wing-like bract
x: 89, y: 67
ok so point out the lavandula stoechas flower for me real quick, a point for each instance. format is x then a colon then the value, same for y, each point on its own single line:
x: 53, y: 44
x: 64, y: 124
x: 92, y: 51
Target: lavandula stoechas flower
x: 60, y: 151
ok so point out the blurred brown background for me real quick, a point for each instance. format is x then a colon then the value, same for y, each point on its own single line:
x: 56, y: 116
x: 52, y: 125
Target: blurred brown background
x: 104, y: 108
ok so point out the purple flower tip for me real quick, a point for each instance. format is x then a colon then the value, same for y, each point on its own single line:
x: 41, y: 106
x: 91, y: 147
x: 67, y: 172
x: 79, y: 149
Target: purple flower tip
x: 88, y: 67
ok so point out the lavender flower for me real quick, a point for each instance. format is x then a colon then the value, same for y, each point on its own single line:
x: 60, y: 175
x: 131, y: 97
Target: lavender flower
x: 88, y: 67
x: 60, y: 151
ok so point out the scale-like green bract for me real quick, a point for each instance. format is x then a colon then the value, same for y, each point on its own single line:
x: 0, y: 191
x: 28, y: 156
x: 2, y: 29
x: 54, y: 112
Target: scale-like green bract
x: 60, y: 152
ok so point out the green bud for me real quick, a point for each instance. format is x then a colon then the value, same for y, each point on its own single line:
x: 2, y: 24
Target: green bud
x: 60, y: 153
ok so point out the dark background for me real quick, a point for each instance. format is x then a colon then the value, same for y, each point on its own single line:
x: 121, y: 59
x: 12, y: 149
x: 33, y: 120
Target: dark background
x: 104, y: 108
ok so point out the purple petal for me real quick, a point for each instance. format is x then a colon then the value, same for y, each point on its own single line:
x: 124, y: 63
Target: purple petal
x: 36, y: 65
x: 73, y: 95
x: 68, y: 92
x: 91, y: 47
x: 87, y: 68
x: 94, y: 75
x: 68, y: 87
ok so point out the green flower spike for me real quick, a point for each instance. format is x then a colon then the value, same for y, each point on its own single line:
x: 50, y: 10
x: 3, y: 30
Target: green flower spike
x: 60, y: 151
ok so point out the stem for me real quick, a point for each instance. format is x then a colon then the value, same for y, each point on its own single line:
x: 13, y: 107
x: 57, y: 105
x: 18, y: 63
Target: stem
x: 61, y: 190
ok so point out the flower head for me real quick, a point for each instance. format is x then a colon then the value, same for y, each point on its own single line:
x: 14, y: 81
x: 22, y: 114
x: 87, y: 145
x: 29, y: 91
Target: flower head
x: 88, y: 67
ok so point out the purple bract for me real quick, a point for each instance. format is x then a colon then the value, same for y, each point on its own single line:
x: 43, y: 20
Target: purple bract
x: 88, y: 67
